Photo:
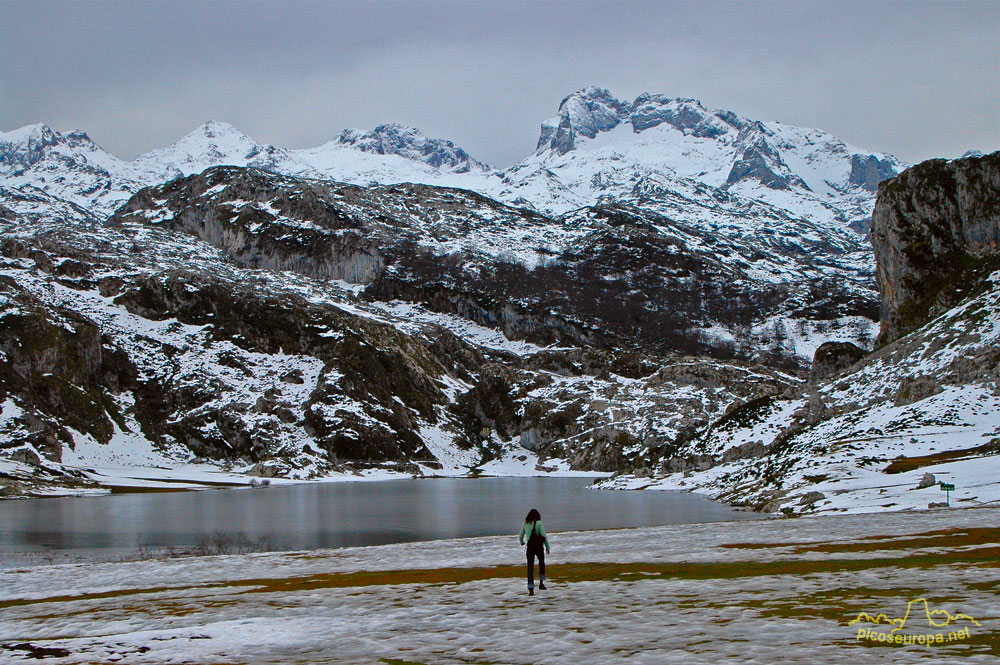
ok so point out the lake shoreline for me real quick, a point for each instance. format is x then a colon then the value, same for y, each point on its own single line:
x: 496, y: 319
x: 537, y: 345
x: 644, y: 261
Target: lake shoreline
x: 107, y: 480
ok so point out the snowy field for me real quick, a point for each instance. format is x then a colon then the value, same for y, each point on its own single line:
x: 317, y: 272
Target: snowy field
x: 769, y: 591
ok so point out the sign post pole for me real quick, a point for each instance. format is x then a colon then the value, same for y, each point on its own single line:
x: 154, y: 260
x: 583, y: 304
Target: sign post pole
x: 948, y: 488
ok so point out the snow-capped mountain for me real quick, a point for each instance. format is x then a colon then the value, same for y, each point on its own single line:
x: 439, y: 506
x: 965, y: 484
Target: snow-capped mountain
x: 392, y: 154
x: 212, y: 144
x: 72, y: 167
x: 600, y: 146
x: 654, y: 277
x: 68, y: 166
x: 595, y: 147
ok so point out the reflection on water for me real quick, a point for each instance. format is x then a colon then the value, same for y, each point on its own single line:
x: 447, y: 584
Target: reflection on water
x: 317, y: 515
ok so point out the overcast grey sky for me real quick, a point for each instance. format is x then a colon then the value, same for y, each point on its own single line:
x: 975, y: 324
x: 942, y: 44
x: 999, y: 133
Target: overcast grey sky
x: 917, y: 79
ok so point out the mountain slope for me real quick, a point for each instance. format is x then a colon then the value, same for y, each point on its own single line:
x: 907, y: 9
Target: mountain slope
x: 616, y: 275
x: 161, y: 350
x: 867, y: 428
x: 70, y: 167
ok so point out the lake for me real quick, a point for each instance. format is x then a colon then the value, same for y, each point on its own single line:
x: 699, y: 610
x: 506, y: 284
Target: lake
x: 321, y: 515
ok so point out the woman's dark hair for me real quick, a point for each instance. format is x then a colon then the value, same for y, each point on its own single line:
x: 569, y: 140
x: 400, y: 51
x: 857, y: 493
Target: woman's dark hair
x: 533, y: 516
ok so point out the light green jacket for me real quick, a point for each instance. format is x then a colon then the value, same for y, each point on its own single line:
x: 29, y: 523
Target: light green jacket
x: 526, y: 532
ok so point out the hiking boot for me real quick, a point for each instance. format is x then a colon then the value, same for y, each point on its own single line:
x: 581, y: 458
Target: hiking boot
x: 541, y: 586
x: 531, y: 592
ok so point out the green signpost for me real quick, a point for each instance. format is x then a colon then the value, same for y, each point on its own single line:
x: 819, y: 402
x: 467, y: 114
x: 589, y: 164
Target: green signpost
x: 947, y: 488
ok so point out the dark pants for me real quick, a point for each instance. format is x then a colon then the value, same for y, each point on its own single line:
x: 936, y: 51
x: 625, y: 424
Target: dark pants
x: 540, y: 553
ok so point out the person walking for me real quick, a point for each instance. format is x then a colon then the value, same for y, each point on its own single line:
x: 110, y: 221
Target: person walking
x: 537, y: 539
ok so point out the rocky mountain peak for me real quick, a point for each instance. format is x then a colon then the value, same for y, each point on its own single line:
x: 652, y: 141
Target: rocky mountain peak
x: 29, y: 133
x: 411, y: 143
x: 79, y: 137
x: 591, y: 110
x: 212, y: 137
x: 585, y: 112
x: 686, y: 114
x: 27, y: 145
x: 217, y: 129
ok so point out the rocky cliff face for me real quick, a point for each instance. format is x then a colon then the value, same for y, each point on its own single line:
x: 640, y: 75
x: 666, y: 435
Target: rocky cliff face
x: 264, y: 221
x: 58, y: 361
x: 723, y: 150
x: 936, y: 234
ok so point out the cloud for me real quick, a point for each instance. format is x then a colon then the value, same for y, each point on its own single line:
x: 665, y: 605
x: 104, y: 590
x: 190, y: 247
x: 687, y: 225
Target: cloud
x: 915, y: 79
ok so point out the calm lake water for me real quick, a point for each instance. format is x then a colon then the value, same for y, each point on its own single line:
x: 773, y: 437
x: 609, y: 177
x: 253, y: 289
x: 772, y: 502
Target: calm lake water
x: 319, y: 515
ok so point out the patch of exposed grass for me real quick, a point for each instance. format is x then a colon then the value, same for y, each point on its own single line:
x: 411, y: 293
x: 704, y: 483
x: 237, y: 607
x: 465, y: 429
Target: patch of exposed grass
x: 903, y: 464
x: 100, y: 595
x: 958, y: 537
x: 622, y: 572
x: 968, y: 537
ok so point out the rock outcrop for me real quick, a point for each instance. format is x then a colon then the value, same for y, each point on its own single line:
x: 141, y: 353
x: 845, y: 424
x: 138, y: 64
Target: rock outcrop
x: 585, y: 113
x: 63, y: 371
x: 832, y: 358
x: 867, y: 171
x: 265, y: 221
x: 936, y: 234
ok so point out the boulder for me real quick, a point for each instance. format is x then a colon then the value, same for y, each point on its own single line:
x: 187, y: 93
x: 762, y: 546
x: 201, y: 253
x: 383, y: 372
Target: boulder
x: 26, y: 456
x: 831, y: 358
x: 913, y: 389
x: 810, y: 498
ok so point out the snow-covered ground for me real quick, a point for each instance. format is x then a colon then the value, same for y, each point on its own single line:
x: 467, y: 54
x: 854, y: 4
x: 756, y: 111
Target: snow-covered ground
x: 762, y: 591
x: 924, y: 404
